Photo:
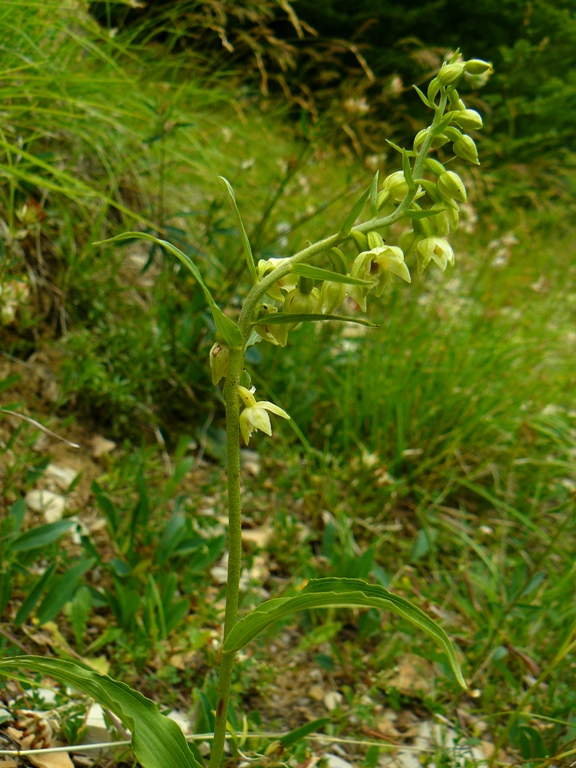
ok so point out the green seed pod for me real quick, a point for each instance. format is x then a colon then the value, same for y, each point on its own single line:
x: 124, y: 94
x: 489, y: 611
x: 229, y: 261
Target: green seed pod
x: 451, y: 73
x: 478, y: 67
x: 451, y: 187
x: 360, y: 239
x: 466, y: 149
x: 219, y: 355
x: 375, y: 240
x: 434, y: 166
x: 469, y: 119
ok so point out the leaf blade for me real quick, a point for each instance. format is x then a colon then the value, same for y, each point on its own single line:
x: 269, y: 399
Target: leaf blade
x: 354, y: 213
x: 317, y: 273
x: 320, y: 593
x: 285, y: 317
x: 226, y: 328
x: 157, y: 741
x: 244, y: 237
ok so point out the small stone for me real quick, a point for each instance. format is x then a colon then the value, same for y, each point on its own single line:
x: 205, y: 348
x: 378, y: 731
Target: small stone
x: 64, y: 476
x: 101, y: 446
x: 337, y: 762
x: 259, y: 536
x: 182, y: 720
x: 50, y: 504
x: 317, y: 693
x: 332, y: 700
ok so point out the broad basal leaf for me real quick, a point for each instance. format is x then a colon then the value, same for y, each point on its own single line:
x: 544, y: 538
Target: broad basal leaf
x: 157, y: 741
x: 323, y: 593
x: 226, y: 328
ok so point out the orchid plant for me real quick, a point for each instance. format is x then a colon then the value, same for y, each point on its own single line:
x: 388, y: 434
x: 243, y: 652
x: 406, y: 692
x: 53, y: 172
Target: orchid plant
x: 287, y: 292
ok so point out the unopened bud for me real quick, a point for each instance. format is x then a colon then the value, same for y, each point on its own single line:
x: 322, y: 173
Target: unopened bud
x: 396, y: 185
x: 375, y: 240
x: 331, y: 296
x: 409, y: 240
x: 478, y: 67
x: 451, y: 187
x: 466, y: 149
x: 441, y: 223
x: 275, y: 334
x: 360, y: 239
x: 469, y: 119
x: 298, y: 303
x: 437, y: 141
x: 219, y: 362
x: 451, y: 73
x: 434, y: 166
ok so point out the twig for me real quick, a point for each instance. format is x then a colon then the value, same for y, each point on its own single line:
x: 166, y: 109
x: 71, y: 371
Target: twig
x: 39, y: 426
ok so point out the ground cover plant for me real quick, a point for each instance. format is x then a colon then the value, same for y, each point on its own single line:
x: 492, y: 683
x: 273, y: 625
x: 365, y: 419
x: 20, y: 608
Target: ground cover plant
x: 488, y: 499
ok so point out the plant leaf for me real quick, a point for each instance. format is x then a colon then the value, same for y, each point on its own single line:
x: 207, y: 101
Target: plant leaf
x: 225, y: 327
x: 374, y: 196
x: 321, y: 593
x: 40, y: 536
x: 407, y: 168
x: 61, y: 591
x: 423, y: 214
x: 157, y: 741
x: 286, y: 317
x: 354, y: 213
x: 316, y: 273
x: 245, y: 242
x: 305, y: 730
x: 34, y: 595
x: 423, y: 97
x: 399, y: 149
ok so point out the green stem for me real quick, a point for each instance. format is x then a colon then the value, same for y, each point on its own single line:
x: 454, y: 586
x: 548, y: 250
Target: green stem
x: 235, y: 367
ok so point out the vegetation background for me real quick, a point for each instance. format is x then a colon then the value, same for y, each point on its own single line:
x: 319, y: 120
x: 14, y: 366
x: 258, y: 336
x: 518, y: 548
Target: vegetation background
x: 435, y: 455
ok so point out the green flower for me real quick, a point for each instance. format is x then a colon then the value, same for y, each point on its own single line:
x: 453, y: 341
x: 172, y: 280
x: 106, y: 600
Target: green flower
x: 434, y: 249
x: 255, y: 416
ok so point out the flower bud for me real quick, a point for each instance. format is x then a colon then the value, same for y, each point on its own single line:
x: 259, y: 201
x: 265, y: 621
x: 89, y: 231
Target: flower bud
x: 469, y: 119
x: 331, y: 296
x: 441, y: 222
x: 465, y: 148
x: 409, y: 240
x: 298, y: 303
x: 396, y: 185
x: 452, y: 216
x: 478, y: 67
x: 451, y: 187
x: 275, y: 334
x: 375, y: 240
x: 451, y: 73
x: 437, y: 141
x: 360, y: 239
x: 219, y: 355
x: 434, y: 166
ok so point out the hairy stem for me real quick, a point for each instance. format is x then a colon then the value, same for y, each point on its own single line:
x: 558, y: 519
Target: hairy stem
x: 235, y: 367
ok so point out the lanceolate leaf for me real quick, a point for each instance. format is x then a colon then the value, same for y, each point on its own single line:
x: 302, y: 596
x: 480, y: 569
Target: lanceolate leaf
x: 225, y: 327
x: 354, y: 213
x: 157, y: 741
x: 245, y: 242
x: 374, y: 196
x: 305, y: 730
x: 286, y: 317
x: 424, y: 99
x: 40, y: 536
x: 322, y: 593
x: 316, y: 273
x: 423, y: 214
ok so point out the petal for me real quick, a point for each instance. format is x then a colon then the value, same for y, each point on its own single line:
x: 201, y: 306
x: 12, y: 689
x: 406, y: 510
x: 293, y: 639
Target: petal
x: 245, y: 426
x: 259, y: 419
x: 401, y: 270
x: 247, y: 397
x: 273, y: 409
